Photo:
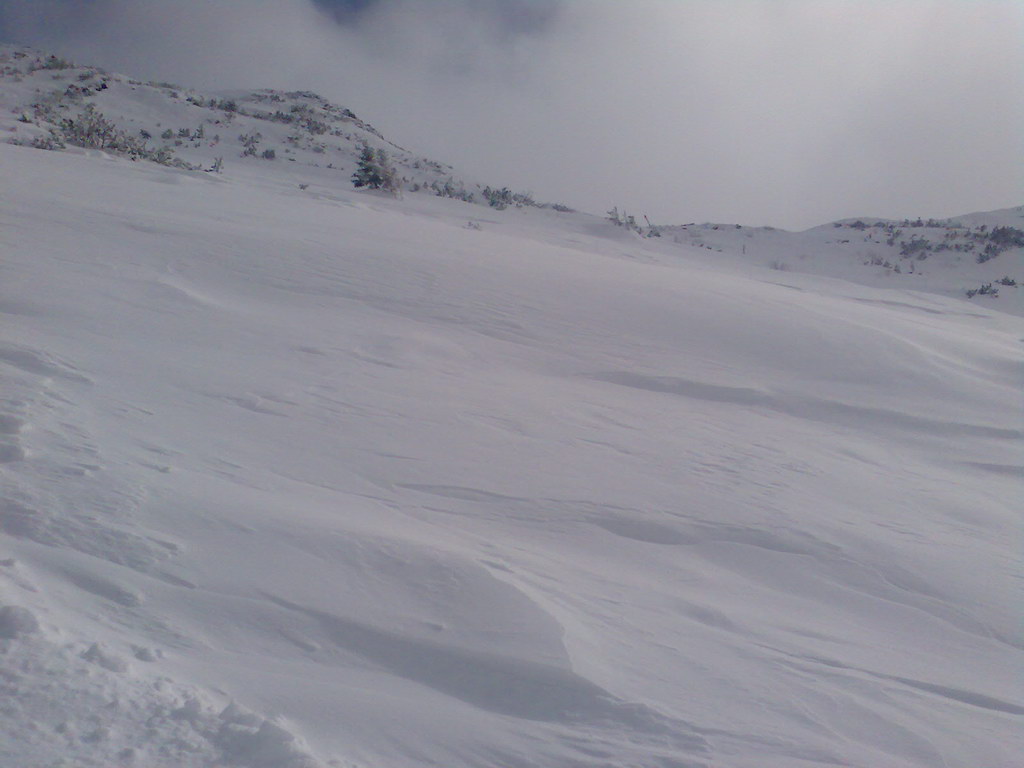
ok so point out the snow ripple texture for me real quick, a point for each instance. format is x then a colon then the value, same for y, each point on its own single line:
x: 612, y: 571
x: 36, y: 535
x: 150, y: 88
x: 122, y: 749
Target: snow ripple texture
x: 300, y: 480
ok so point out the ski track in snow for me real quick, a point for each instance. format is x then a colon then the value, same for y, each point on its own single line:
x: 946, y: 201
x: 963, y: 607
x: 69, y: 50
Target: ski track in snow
x: 335, y: 481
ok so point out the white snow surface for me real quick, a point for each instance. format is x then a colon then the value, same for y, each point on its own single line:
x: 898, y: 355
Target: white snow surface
x: 305, y: 478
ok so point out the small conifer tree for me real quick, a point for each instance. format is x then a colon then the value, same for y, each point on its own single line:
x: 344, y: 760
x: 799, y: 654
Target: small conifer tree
x: 374, y: 170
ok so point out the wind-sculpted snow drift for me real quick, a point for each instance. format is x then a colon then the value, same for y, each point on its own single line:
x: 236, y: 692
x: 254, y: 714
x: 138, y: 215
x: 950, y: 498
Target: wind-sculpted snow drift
x: 312, y: 477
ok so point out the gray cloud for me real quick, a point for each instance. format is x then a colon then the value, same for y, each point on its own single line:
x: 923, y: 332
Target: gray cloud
x: 784, y: 112
x: 506, y: 19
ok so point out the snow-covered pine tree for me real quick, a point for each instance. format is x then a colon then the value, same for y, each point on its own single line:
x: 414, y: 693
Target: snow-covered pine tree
x: 366, y: 168
x: 374, y: 170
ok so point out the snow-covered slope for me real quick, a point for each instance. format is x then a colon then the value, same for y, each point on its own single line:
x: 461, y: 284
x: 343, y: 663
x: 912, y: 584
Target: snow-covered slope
x: 313, y: 477
x: 978, y: 256
x: 41, y: 94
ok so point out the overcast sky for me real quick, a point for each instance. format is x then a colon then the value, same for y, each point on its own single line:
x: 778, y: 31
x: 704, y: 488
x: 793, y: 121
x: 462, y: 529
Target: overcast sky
x: 781, y: 112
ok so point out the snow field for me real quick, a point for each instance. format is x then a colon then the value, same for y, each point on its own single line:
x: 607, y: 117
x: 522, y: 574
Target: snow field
x: 297, y: 479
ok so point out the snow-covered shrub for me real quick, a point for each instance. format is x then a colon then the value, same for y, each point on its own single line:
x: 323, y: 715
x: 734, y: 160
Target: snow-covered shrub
x: 986, y: 289
x: 54, y: 140
x: 53, y: 62
x: 504, y: 197
x: 1001, y: 239
x: 250, y: 141
x: 91, y: 129
x: 623, y: 219
x: 452, y: 190
x: 990, y: 251
x: 916, y: 245
x: 1007, y: 237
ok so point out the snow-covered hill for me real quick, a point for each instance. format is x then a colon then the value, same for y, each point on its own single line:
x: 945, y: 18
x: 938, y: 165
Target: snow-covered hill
x: 301, y: 138
x: 978, y: 256
x: 43, y: 98
x: 306, y: 476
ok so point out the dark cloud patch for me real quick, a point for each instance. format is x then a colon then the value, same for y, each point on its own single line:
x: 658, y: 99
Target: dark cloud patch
x: 507, y: 18
x: 346, y: 11
x: 518, y: 17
